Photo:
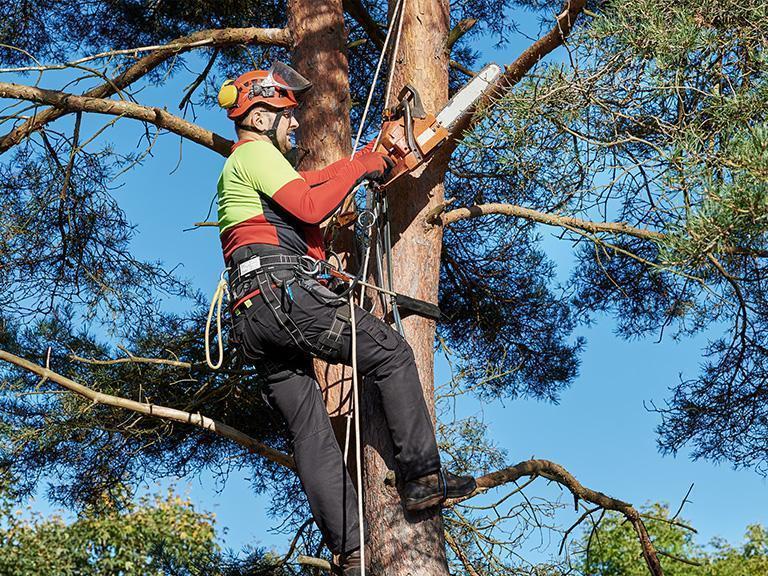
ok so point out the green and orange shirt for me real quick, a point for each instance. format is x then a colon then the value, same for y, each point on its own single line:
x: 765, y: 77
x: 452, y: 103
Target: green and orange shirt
x: 263, y: 200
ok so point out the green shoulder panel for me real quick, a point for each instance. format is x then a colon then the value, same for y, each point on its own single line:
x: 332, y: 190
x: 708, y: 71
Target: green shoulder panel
x: 253, y: 167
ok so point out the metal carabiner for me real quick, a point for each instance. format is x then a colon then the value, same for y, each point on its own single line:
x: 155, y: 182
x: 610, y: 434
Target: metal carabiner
x: 314, y: 270
x: 366, y: 219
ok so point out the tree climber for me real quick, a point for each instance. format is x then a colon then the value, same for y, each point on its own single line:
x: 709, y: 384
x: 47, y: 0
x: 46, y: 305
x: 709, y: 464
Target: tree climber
x: 269, y: 220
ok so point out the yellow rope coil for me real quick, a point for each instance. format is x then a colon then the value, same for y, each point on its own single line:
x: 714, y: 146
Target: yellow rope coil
x: 218, y: 298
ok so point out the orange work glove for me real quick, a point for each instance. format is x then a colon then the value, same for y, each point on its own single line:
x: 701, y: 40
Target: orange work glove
x: 377, y: 165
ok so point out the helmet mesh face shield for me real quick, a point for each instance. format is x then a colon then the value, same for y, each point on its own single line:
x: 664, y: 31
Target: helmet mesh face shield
x: 277, y: 88
x: 283, y: 76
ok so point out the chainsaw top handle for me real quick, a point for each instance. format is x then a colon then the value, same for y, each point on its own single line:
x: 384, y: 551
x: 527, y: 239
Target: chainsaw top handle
x: 411, y: 95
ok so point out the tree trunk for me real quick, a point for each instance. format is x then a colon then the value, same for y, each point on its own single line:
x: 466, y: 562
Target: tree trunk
x: 410, y: 544
x: 397, y: 545
x: 319, y: 54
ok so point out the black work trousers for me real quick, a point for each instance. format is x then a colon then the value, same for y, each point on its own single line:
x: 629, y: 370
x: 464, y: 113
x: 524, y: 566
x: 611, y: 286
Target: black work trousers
x: 383, y: 357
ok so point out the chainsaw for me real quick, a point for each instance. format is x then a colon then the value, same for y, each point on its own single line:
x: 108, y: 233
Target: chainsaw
x: 409, y: 135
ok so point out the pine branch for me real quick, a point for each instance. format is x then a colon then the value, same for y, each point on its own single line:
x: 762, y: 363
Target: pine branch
x: 542, y: 217
x: 556, y: 473
x: 622, y: 228
x: 204, y: 38
x: 153, y: 410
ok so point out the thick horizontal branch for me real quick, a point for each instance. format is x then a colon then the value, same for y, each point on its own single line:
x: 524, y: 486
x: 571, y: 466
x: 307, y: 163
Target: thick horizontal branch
x: 557, y: 473
x: 204, y: 38
x: 623, y: 228
x: 544, y: 218
x: 161, y: 118
x: 153, y: 410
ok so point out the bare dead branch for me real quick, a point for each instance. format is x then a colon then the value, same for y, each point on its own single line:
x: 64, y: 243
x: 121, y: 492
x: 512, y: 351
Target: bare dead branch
x: 460, y: 554
x: 684, y: 502
x: 199, y: 80
x: 154, y: 410
x: 176, y: 45
x: 679, y: 559
x: 671, y: 522
x: 161, y: 118
x: 557, y: 473
x: 208, y: 38
x: 72, y: 155
x: 587, y: 514
x: 569, y: 222
x: 295, y: 541
x: 131, y: 360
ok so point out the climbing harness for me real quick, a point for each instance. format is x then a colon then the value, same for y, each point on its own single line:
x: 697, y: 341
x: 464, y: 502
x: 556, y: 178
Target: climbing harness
x: 274, y: 277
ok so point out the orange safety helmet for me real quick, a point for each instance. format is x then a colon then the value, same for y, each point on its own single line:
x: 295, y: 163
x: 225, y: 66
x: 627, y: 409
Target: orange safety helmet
x: 276, y: 87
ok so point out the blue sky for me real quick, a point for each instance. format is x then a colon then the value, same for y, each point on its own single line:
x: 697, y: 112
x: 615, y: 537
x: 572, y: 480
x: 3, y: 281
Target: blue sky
x: 601, y: 431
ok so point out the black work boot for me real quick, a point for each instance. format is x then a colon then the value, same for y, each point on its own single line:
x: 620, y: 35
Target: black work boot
x: 433, y: 489
x: 350, y: 563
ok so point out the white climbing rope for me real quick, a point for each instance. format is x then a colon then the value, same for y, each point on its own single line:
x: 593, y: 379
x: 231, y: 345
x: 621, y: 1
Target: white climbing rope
x: 359, y: 443
x: 216, y: 303
x: 397, y: 15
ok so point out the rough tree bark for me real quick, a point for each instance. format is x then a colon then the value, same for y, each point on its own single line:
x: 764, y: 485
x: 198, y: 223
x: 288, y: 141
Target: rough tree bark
x: 397, y: 543
x: 402, y: 544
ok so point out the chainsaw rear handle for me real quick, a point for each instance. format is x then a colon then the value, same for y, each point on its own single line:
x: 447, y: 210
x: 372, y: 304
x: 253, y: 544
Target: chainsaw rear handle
x: 409, y: 130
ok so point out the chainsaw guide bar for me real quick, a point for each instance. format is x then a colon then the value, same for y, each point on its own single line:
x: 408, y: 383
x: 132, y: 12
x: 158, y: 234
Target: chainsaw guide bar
x: 409, y: 135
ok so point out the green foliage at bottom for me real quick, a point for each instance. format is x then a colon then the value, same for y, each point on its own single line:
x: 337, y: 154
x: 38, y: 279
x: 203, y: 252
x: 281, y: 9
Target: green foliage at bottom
x: 157, y: 536
x: 614, y: 550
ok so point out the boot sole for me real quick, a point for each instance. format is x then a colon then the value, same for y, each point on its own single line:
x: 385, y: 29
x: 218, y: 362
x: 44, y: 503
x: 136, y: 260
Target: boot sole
x: 462, y: 493
x: 424, y: 503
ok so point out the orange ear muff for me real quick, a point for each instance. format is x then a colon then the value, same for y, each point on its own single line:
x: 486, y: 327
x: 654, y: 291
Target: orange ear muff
x: 228, y: 94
